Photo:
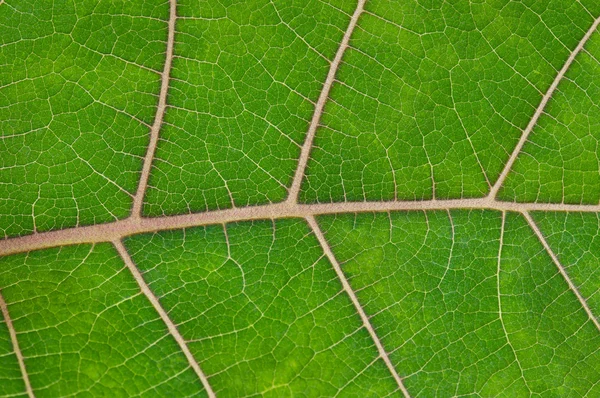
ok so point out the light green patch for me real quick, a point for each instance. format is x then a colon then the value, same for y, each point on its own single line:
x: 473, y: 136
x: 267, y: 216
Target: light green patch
x: 432, y: 289
x: 266, y: 315
x: 11, y: 379
x: 85, y: 328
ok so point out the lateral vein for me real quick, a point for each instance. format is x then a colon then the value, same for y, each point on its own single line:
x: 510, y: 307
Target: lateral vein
x: 561, y: 269
x: 138, y: 200
x: 163, y: 315
x: 15, y: 343
x: 539, y: 110
x: 314, y: 123
x: 363, y: 316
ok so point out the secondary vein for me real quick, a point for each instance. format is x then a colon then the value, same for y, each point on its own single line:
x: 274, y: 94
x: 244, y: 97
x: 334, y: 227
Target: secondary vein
x: 15, y: 343
x: 363, y: 316
x: 163, y: 315
x: 314, y: 123
x: 561, y: 269
x: 539, y: 110
x: 138, y: 200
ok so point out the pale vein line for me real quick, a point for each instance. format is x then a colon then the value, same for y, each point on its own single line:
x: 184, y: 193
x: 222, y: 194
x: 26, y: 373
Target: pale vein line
x: 314, y: 123
x: 118, y: 229
x: 15, y: 343
x: 348, y: 289
x: 500, y: 300
x: 561, y: 269
x: 163, y: 315
x: 138, y: 200
x: 540, y: 109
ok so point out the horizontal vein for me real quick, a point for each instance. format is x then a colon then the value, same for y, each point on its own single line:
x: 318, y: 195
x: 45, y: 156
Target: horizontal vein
x: 160, y: 114
x: 314, y: 123
x: 540, y: 109
x: 15, y: 343
x: 131, y: 226
x: 363, y: 316
x: 561, y: 269
x: 163, y: 315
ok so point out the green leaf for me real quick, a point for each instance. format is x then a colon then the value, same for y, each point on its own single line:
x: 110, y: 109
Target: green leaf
x: 299, y: 198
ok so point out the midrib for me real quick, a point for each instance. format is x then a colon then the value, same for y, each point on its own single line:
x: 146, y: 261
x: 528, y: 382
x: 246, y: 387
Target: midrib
x: 131, y: 226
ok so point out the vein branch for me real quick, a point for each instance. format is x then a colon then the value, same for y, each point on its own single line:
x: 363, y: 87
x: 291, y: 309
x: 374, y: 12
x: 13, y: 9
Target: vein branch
x: 15, y: 343
x: 163, y: 315
x: 138, y: 200
x: 363, y: 316
x: 540, y: 109
x: 314, y: 123
x: 561, y: 269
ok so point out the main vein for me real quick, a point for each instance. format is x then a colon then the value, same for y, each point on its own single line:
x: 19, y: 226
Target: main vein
x: 314, y: 123
x: 363, y: 316
x: 131, y: 226
x: 163, y: 315
x: 15, y: 343
x: 138, y: 200
x: 561, y: 269
x: 540, y: 109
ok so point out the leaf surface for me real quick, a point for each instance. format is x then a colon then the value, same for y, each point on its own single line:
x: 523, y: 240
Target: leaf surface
x: 299, y: 198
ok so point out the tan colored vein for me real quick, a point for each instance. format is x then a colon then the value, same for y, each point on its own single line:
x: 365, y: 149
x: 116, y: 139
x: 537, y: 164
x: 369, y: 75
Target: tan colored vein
x: 163, y: 315
x: 539, y: 110
x: 118, y: 229
x: 138, y: 200
x: 561, y: 269
x: 15, y: 343
x: 314, y: 123
x: 363, y: 316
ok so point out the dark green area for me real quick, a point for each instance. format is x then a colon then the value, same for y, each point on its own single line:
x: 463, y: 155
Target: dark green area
x: 244, y: 81
x: 559, y: 162
x: 78, y: 87
x: 433, y: 96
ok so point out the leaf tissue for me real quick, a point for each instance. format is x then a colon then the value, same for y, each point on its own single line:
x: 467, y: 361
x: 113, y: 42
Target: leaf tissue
x: 314, y: 198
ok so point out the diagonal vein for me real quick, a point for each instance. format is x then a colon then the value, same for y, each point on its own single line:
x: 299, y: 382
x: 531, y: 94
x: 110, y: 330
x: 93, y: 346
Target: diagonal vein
x: 138, y: 200
x: 363, y: 316
x: 561, y: 269
x: 540, y: 109
x: 314, y: 123
x: 15, y: 343
x: 163, y: 315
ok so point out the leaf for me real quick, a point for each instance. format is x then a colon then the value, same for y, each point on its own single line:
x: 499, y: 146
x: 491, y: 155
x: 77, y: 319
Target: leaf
x: 299, y: 198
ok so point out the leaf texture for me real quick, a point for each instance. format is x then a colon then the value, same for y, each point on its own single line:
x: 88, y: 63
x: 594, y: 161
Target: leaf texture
x: 299, y: 198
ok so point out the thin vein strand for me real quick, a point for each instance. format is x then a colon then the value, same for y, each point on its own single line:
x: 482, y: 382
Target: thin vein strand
x: 540, y: 109
x: 363, y: 316
x: 131, y: 226
x: 138, y: 200
x: 163, y: 315
x: 561, y: 269
x: 499, y: 293
x: 314, y: 123
x: 15, y: 344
